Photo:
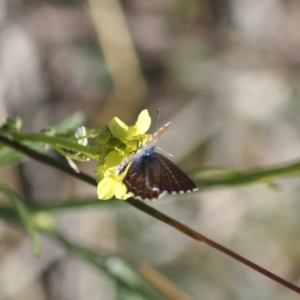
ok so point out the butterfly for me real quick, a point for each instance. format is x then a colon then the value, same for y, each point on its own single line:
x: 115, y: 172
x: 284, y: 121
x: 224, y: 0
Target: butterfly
x: 151, y: 175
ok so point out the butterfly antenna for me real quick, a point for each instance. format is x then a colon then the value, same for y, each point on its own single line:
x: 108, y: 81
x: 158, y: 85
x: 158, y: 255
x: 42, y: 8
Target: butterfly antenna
x: 169, y: 154
x: 157, y: 118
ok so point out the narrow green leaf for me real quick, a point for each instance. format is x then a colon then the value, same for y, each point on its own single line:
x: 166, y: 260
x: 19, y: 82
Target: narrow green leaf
x: 74, y: 121
x: 10, y: 156
x: 112, y: 265
x: 24, y: 215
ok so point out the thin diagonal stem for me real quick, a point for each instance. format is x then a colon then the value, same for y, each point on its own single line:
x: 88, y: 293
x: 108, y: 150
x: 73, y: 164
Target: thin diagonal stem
x: 150, y: 211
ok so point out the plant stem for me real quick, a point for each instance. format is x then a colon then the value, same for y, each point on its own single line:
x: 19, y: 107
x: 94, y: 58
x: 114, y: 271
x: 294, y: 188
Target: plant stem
x: 250, y: 178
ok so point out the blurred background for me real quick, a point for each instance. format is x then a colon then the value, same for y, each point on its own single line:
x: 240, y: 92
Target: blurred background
x: 225, y: 72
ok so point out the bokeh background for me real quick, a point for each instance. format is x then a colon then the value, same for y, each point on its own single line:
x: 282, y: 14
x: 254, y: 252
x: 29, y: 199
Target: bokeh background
x: 225, y: 72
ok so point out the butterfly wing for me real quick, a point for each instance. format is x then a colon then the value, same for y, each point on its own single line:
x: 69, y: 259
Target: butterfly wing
x: 177, y: 182
x: 152, y: 175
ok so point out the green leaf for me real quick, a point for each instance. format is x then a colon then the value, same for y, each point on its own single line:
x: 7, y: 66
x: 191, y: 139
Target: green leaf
x: 10, y: 156
x: 24, y: 215
x: 74, y: 121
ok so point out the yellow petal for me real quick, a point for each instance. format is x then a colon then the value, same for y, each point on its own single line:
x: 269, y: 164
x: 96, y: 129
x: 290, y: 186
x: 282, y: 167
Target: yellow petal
x: 118, y: 128
x: 106, y: 188
x: 112, y: 160
x: 143, y: 122
x: 141, y: 126
x: 121, y: 191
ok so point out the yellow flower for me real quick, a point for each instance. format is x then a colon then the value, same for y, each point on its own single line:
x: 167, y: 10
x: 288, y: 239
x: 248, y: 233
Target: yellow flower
x: 117, y: 142
x: 110, y: 186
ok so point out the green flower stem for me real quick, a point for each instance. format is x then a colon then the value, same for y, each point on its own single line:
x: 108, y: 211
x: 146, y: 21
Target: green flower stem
x: 8, y: 213
x: 45, y: 159
x: 72, y: 205
x: 56, y: 142
x: 165, y: 218
x: 262, y: 175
